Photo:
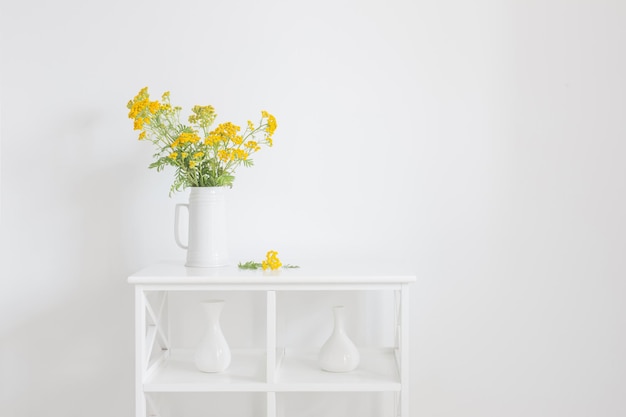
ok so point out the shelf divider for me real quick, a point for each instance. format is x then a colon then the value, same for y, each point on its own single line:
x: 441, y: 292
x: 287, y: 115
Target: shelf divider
x: 271, y: 337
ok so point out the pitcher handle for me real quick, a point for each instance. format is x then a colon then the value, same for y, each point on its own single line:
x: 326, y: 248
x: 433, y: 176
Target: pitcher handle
x: 177, y: 224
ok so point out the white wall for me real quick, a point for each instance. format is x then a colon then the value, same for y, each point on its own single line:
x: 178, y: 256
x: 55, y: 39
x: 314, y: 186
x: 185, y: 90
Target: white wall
x: 481, y: 142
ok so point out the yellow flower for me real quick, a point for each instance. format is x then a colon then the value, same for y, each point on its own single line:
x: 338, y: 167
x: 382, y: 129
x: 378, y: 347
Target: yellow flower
x: 191, y: 137
x: 224, y: 155
x: 173, y: 155
x: 138, y: 125
x: 271, y: 124
x: 211, y: 140
x: 203, y: 115
x: 224, y: 133
x: 138, y: 104
x: 271, y: 261
x: 240, y: 154
x: 135, y: 108
x: 185, y: 137
x: 154, y: 106
x: 192, y: 164
x: 142, y: 135
x: 198, y: 155
x: 252, y: 145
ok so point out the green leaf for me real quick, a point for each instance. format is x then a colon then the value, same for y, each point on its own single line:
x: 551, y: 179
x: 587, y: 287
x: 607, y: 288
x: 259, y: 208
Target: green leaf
x: 250, y: 265
x: 224, y: 180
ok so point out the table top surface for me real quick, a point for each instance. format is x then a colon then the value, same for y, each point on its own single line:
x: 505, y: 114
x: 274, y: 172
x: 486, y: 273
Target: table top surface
x: 318, y: 273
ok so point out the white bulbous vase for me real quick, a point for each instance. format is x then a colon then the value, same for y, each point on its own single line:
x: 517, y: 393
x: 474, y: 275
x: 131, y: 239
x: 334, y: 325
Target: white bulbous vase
x: 339, y: 354
x: 213, y: 352
x: 207, y: 244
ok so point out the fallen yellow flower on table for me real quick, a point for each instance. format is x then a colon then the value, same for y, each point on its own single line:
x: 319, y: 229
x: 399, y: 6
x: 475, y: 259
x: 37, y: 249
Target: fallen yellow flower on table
x: 271, y: 262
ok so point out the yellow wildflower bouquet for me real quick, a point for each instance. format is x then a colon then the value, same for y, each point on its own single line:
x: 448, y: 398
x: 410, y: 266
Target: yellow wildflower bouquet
x: 202, y: 157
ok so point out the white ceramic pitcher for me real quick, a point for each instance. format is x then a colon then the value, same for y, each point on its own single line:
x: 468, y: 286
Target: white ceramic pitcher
x: 207, y: 243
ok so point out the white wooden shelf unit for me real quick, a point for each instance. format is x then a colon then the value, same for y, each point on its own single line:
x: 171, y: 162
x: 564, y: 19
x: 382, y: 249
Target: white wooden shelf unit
x: 163, y: 368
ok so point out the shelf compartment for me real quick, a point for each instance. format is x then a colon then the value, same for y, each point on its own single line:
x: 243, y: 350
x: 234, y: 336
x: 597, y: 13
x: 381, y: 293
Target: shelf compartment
x: 178, y: 373
x: 203, y: 404
x: 299, y: 372
x: 307, y: 404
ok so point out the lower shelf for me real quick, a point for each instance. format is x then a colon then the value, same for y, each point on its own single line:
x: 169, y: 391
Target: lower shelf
x: 297, y: 371
x: 178, y: 373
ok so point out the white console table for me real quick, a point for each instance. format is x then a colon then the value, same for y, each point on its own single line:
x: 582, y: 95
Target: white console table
x: 162, y: 367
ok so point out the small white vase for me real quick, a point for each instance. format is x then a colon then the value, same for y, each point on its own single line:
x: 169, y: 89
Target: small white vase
x: 207, y: 244
x: 339, y: 354
x: 213, y: 353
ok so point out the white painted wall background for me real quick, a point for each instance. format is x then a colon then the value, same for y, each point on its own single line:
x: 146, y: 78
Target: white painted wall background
x: 481, y: 141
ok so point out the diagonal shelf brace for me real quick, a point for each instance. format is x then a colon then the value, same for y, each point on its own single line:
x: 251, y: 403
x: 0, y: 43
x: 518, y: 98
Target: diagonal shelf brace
x: 157, y: 320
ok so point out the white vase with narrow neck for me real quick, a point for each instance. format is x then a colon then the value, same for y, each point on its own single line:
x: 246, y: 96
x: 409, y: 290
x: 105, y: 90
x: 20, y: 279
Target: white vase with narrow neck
x: 339, y: 354
x: 207, y: 244
x: 213, y: 352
